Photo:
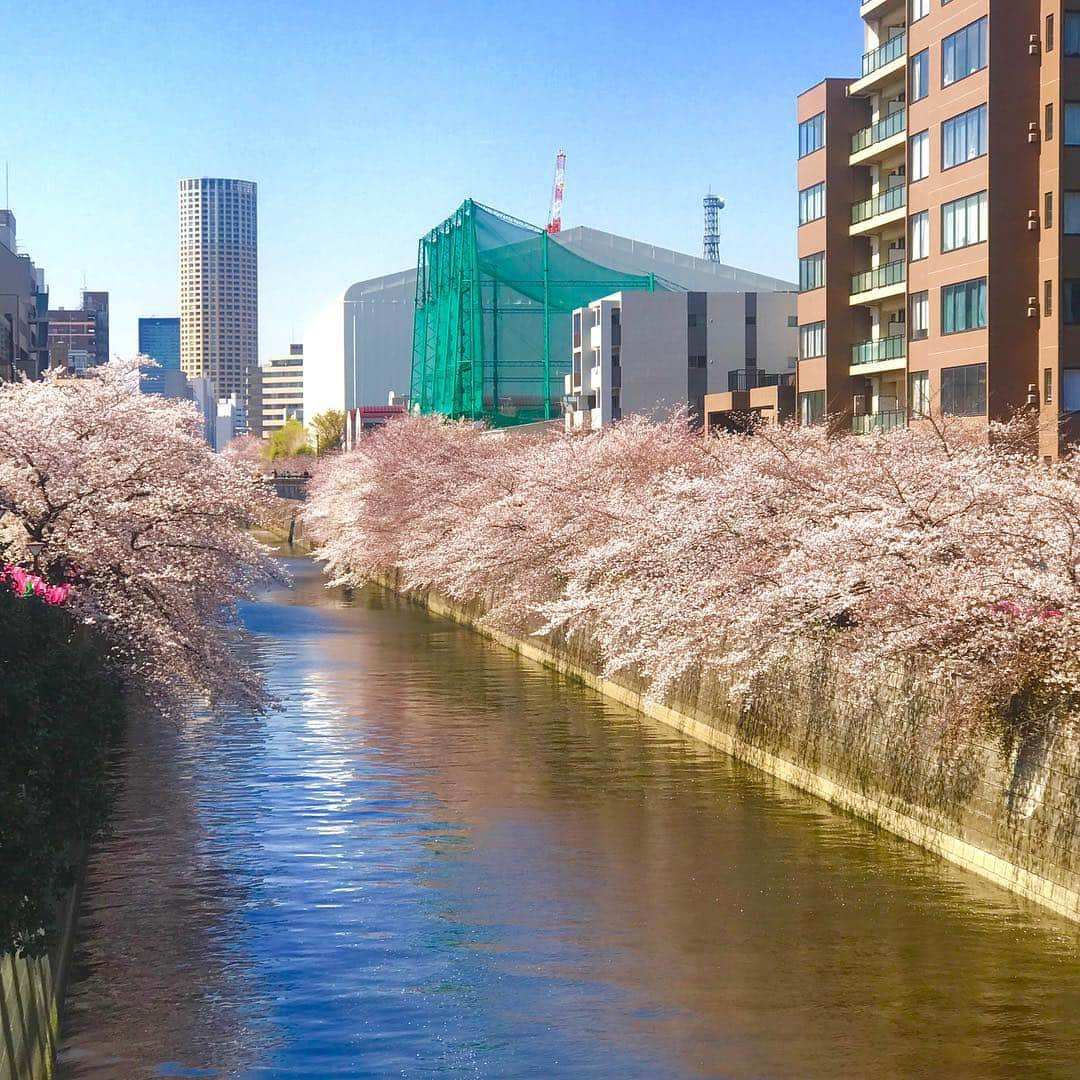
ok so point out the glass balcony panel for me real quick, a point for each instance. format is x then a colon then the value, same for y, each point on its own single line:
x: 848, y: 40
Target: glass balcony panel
x: 892, y: 273
x: 873, y: 423
x: 874, y: 352
x: 892, y: 50
x: 892, y: 199
x: 884, y: 129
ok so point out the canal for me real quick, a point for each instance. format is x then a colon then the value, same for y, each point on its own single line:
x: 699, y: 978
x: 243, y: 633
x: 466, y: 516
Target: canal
x: 437, y: 859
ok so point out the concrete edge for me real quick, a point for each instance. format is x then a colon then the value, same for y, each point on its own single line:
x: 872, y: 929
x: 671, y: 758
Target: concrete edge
x: 1041, y: 890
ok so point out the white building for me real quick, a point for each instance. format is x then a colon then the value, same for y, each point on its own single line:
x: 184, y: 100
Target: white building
x: 359, y: 349
x: 647, y: 353
x: 219, y: 284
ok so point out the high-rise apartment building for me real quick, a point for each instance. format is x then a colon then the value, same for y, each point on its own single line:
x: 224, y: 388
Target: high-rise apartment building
x: 939, y: 219
x: 84, y: 329
x: 219, y: 300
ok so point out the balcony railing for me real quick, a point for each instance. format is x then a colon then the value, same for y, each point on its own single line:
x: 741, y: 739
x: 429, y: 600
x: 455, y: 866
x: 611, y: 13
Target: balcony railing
x: 878, y: 422
x: 892, y: 50
x: 890, y: 274
x: 873, y: 352
x: 892, y: 125
x: 751, y: 378
x: 893, y: 199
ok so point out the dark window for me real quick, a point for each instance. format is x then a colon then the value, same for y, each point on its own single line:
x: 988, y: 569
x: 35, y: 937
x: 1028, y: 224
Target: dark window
x: 1070, y: 300
x: 963, y: 53
x: 963, y: 306
x: 1049, y: 33
x: 963, y: 390
x: 811, y: 407
x: 1048, y: 298
x: 811, y: 134
x: 1048, y: 385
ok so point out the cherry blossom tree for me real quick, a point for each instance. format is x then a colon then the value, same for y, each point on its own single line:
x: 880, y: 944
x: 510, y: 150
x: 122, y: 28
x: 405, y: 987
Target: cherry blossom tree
x: 116, y: 494
x: 662, y: 552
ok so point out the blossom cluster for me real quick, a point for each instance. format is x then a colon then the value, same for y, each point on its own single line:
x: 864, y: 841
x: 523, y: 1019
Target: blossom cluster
x: 666, y: 552
x: 127, y: 503
x: 23, y: 583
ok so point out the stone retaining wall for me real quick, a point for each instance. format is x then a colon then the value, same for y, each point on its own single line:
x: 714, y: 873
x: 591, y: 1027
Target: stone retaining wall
x: 1003, y: 803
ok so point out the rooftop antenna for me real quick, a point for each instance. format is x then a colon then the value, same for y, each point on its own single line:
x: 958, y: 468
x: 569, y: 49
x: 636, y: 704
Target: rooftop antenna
x: 713, y: 205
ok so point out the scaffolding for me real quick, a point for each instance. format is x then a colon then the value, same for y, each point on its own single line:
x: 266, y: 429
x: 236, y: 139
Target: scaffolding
x: 491, y: 332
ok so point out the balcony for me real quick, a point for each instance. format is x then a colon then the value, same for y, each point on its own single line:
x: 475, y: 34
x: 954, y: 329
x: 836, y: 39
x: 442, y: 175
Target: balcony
x: 743, y: 379
x: 879, y: 139
x: 879, y: 65
x: 878, y: 423
x: 872, y: 286
x: 878, y: 8
x: 884, y: 209
x: 883, y: 354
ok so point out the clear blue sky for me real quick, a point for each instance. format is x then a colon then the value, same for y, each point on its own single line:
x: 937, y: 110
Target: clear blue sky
x: 365, y: 124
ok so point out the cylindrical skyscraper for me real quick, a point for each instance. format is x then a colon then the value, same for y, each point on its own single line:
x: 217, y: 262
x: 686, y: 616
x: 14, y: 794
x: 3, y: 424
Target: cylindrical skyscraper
x: 219, y: 281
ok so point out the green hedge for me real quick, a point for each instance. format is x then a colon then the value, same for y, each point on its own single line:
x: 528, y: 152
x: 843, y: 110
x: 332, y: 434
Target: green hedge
x: 61, y: 713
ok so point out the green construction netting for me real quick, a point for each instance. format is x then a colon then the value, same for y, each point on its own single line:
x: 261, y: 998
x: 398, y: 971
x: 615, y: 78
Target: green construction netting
x: 492, y: 329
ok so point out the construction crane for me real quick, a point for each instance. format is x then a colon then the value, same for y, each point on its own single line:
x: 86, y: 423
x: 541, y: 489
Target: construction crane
x: 555, y: 222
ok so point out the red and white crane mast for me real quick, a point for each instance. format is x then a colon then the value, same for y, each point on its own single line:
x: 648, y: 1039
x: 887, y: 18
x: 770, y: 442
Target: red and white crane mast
x: 555, y: 222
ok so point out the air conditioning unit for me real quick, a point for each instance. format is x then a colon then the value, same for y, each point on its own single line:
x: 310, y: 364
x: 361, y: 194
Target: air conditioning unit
x: 1033, y: 131
x: 1033, y: 220
x: 1033, y: 307
x: 1034, y: 45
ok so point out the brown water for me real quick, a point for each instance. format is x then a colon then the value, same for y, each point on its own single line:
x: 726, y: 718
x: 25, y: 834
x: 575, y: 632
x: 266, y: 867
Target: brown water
x: 441, y: 860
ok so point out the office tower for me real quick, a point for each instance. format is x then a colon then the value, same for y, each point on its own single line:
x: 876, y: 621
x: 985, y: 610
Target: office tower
x: 219, y: 305
x: 939, y: 199
x: 159, y: 339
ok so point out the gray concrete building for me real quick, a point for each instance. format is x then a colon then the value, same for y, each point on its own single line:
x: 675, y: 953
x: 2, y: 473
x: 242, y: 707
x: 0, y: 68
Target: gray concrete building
x: 648, y: 353
x: 24, y: 309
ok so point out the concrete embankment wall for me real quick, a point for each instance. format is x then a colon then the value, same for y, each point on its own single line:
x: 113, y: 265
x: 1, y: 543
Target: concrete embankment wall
x: 1000, y: 800
x: 31, y: 997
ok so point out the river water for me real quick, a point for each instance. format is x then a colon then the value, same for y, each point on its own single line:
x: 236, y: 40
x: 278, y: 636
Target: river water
x: 438, y: 859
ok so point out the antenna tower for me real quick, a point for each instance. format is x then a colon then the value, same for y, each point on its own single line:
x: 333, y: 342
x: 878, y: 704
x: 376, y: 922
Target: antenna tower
x: 713, y: 205
x: 555, y: 222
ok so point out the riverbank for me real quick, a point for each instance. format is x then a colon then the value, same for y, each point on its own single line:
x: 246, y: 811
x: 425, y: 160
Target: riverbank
x: 1005, y: 806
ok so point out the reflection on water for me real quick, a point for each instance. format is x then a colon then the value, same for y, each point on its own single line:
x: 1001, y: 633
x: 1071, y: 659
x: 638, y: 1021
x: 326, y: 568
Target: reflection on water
x: 440, y: 860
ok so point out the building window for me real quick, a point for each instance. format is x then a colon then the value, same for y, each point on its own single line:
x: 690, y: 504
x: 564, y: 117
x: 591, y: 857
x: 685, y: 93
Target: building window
x: 919, y: 322
x: 1070, y: 389
x: 963, y: 138
x: 1070, y: 213
x: 1070, y: 301
x: 1048, y: 298
x: 1049, y: 36
x: 1071, y: 37
x: 963, y: 306
x: 812, y: 203
x: 812, y: 272
x: 919, y: 9
x: 1048, y: 124
x: 963, y: 390
x: 920, y: 75
x: 963, y: 53
x: 1048, y: 385
x: 920, y: 155
x: 920, y: 235
x: 811, y: 340
x: 919, y: 393
x: 1048, y: 210
x: 811, y: 407
x: 811, y: 134
x: 964, y: 222
x: 1072, y: 123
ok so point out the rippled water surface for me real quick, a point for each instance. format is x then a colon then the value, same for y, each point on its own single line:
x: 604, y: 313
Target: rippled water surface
x: 441, y: 860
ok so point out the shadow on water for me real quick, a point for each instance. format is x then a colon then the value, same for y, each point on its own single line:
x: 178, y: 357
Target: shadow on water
x: 438, y: 859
